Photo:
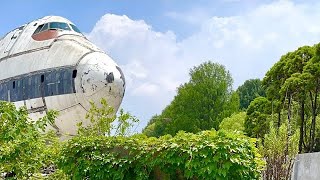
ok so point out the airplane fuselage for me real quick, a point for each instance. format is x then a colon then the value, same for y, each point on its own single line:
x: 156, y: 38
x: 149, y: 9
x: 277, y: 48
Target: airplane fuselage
x: 48, y: 64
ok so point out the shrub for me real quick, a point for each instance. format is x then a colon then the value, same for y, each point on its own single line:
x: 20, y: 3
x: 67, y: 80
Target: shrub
x: 206, y: 155
x: 24, y: 148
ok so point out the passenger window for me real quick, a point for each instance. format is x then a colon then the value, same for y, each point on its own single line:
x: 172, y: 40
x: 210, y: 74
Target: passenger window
x: 14, y: 94
x: 74, y: 74
x: 42, y: 78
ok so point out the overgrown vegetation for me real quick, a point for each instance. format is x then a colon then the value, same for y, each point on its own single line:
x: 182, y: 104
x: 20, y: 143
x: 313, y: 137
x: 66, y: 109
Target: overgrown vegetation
x: 279, y: 150
x: 26, y: 152
x: 281, y: 112
x: 24, y: 147
x: 234, y: 123
x: 207, y: 155
x: 287, y: 96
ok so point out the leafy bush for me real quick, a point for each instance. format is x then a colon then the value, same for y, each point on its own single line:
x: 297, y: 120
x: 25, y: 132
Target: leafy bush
x: 234, y: 123
x: 206, y: 155
x: 104, y: 121
x: 24, y: 149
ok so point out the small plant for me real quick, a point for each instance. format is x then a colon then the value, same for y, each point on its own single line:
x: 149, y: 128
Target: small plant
x: 105, y: 122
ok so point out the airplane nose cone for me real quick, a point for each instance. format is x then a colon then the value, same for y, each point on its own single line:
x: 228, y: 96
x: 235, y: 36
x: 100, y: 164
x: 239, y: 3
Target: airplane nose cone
x: 99, y: 77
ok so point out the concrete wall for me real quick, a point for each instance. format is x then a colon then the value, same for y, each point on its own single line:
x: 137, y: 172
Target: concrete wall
x: 307, y: 167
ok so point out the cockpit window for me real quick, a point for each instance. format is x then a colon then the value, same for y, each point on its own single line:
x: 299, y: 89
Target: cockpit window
x: 44, y: 27
x: 59, y: 25
x: 75, y: 28
x: 56, y: 26
x: 38, y: 29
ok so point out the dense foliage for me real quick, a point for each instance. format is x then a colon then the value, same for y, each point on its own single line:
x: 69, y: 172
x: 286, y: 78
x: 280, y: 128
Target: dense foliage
x: 234, y: 123
x: 24, y: 148
x: 250, y: 90
x: 207, y: 155
x: 26, y: 152
x: 294, y: 82
x: 256, y: 122
x: 200, y: 104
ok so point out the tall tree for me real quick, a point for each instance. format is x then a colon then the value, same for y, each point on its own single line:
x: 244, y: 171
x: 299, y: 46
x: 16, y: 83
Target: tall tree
x: 287, y: 82
x: 312, y: 79
x: 256, y: 122
x: 250, y: 89
x: 202, y: 102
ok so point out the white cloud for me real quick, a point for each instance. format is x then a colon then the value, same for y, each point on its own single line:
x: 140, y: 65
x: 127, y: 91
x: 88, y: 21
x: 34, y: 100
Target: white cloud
x: 146, y: 89
x: 194, y: 16
x: 248, y: 45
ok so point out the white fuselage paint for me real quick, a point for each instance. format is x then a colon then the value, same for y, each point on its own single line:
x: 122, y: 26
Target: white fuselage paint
x: 21, y: 55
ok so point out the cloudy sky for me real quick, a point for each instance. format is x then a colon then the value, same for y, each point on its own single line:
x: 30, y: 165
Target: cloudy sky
x: 157, y: 42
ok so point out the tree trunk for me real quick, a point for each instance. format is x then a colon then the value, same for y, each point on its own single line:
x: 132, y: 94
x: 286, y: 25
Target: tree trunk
x: 289, y: 121
x: 289, y: 114
x: 301, y: 126
x: 313, y: 123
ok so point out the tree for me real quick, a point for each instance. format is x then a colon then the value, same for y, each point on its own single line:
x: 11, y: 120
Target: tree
x: 234, y: 123
x: 312, y: 78
x: 250, y: 89
x: 290, y: 80
x: 156, y: 126
x: 257, y: 120
x: 202, y: 102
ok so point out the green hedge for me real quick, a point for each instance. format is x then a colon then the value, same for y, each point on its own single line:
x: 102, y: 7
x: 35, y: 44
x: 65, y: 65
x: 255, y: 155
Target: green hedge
x: 207, y: 155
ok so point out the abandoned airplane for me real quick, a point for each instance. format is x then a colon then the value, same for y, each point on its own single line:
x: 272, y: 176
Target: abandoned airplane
x: 49, y: 64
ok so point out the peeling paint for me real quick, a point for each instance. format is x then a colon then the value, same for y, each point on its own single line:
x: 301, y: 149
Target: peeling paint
x: 109, y: 77
x: 96, y: 72
x: 93, y: 87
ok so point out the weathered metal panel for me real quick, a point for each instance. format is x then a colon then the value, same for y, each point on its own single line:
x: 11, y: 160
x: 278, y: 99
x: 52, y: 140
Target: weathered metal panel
x: 95, y: 75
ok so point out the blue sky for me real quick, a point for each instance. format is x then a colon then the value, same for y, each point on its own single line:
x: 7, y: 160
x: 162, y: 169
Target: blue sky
x: 157, y: 42
x: 86, y: 13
